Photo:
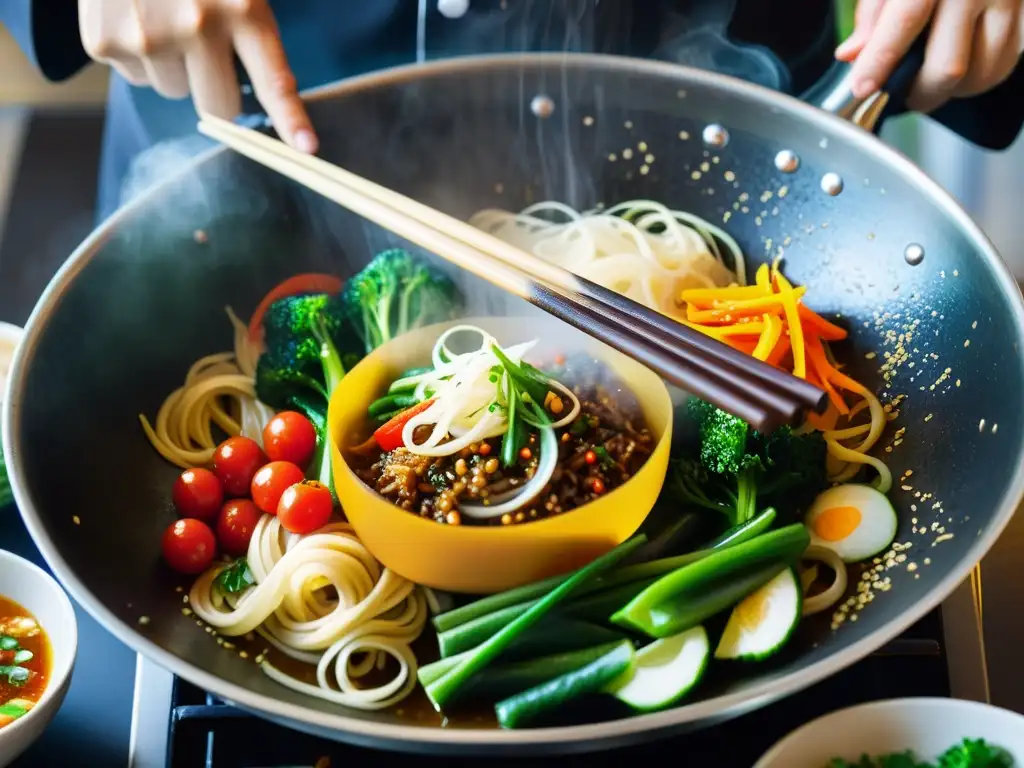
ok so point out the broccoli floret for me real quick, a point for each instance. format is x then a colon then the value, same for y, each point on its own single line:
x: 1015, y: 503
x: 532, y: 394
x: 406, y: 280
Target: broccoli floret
x: 301, y: 366
x: 395, y: 293
x: 291, y: 363
x: 736, y: 467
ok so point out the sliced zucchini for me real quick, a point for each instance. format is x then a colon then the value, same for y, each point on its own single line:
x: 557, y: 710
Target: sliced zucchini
x: 763, y: 621
x: 665, y: 671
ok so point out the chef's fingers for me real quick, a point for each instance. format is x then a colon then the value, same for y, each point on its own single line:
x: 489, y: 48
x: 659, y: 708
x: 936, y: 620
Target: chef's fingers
x: 212, y: 77
x: 864, y: 22
x: 947, y: 55
x: 899, y: 25
x: 167, y: 75
x: 130, y: 69
x: 996, y: 49
x: 259, y: 47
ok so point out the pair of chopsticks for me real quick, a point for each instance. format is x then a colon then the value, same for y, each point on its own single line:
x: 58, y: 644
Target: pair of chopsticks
x: 763, y: 396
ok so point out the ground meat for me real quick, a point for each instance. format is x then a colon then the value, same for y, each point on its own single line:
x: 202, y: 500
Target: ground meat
x: 605, y: 446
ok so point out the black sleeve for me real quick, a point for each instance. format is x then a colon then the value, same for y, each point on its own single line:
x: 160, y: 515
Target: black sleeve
x: 47, y: 30
x: 992, y: 120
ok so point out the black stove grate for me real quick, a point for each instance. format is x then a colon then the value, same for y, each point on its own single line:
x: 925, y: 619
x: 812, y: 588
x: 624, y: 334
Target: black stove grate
x: 207, y: 732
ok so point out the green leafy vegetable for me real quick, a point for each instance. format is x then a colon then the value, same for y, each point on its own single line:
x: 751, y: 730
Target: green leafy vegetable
x: 605, y: 458
x: 395, y: 293
x: 24, y: 656
x: 8, y: 643
x: 970, y: 753
x: 737, y: 469
x: 235, y: 578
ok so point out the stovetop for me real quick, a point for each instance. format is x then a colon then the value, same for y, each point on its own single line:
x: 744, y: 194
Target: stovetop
x: 180, y: 726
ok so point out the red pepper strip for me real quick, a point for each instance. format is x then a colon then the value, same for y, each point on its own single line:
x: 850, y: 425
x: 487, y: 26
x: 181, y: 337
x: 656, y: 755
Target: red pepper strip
x: 310, y: 282
x: 822, y: 327
x: 389, y: 436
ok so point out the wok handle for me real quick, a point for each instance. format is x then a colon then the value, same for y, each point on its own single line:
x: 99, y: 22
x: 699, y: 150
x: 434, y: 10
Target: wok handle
x: 991, y: 120
x: 833, y: 92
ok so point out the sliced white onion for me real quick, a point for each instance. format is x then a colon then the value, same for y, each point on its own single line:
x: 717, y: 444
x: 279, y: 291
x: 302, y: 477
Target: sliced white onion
x: 825, y: 600
x: 529, y: 491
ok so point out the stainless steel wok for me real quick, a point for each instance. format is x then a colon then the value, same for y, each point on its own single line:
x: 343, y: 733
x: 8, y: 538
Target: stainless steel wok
x: 876, y: 241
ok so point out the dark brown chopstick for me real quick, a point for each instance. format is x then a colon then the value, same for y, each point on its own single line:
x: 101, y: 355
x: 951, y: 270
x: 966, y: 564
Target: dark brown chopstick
x: 750, y: 389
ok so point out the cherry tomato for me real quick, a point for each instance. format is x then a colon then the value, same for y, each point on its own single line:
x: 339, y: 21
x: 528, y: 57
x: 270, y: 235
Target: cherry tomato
x: 290, y: 436
x: 235, y: 462
x: 305, y: 506
x: 198, y: 493
x: 189, y: 546
x: 237, y: 521
x: 271, y: 481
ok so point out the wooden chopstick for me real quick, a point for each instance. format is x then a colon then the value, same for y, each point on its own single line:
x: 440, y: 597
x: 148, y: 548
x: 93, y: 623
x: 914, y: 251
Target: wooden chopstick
x: 665, y: 331
x: 711, y: 370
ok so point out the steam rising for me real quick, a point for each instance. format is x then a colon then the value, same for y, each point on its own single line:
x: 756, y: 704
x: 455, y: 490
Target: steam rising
x: 697, y: 39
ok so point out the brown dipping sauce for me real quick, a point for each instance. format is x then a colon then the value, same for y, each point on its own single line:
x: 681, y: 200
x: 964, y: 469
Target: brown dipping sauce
x: 25, y: 659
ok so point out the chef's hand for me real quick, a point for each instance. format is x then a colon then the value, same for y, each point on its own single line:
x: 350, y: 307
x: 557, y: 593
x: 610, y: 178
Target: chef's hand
x: 973, y: 46
x: 188, y: 46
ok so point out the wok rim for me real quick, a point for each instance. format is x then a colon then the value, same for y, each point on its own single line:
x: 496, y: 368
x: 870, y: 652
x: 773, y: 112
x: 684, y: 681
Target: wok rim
x: 594, y: 735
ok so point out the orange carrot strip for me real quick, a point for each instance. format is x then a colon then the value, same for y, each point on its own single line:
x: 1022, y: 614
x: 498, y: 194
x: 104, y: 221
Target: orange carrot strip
x: 826, y: 421
x: 821, y: 327
x: 817, y: 357
x: 769, y: 337
x: 311, y: 282
x: 743, y: 345
x: 779, y: 353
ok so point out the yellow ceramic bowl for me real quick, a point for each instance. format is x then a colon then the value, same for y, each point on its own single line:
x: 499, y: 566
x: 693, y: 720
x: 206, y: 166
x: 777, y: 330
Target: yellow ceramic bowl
x: 485, y: 559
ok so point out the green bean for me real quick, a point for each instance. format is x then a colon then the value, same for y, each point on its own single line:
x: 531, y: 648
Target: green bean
x: 443, y: 689
x: 695, y: 592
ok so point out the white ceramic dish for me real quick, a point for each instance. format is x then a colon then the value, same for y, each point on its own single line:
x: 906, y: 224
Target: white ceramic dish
x: 928, y: 727
x: 41, y: 595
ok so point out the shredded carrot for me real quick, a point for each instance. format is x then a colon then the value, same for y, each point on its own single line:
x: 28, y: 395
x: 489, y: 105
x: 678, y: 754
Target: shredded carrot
x: 826, y: 421
x: 773, y: 309
x: 769, y: 337
x: 822, y: 327
x: 816, y: 354
x: 310, y: 282
x: 779, y: 353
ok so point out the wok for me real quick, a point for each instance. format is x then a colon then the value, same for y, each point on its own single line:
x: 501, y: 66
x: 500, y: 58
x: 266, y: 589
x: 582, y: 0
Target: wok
x: 874, y: 239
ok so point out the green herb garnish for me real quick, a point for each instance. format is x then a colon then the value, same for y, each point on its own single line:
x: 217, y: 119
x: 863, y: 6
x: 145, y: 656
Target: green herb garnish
x: 607, y: 462
x: 23, y: 656
x: 8, y: 643
x: 235, y: 578
x: 970, y: 753
x: 15, y: 675
x: 12, y: 710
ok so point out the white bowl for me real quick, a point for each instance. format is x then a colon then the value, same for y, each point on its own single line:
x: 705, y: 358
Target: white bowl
x: 928, y: 727
x: 43, y: 597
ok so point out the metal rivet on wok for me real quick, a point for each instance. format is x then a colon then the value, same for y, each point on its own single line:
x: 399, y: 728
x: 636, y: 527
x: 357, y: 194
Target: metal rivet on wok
x: 831, y: 184
x: 913, y: 254
x: 542, y: 106
x: 715, y: 135
x: 787, y: 161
